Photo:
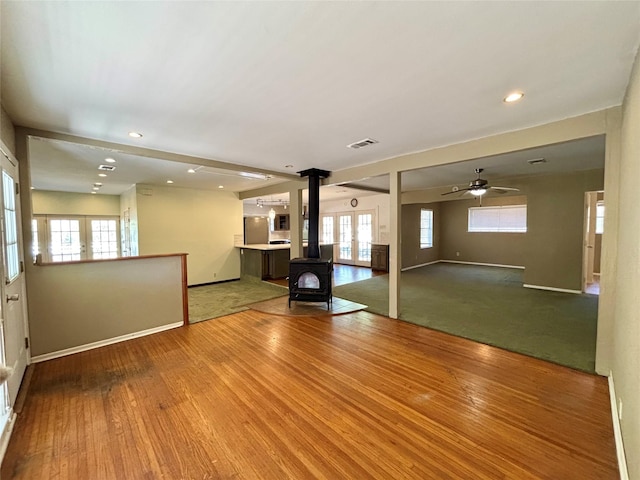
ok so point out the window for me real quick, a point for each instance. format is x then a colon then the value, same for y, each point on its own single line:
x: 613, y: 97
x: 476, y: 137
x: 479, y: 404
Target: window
x: 104, y: 238
x: 11, y: 227
x: 63, y: 239
x: 600, y: 217
x: 426, y: 228
x: 506, y: 218
x: 327, y: 229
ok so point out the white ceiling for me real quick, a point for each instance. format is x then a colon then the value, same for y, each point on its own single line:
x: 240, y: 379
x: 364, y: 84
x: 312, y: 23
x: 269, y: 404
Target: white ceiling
x: 269, y: 84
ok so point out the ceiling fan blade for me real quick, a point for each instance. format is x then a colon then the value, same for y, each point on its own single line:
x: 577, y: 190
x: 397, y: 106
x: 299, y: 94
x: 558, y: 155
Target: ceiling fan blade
x: 456, y: 191
x: 505, y: 189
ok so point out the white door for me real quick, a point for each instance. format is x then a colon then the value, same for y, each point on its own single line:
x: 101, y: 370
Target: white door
x: 346, y: 239
x: 355, y: 234
x: 13, y: 299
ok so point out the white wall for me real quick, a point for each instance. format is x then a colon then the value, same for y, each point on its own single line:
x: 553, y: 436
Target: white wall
x: 201, y: 223
x: 46, y: 202
x: 626, y: 328
x: 378, y: 203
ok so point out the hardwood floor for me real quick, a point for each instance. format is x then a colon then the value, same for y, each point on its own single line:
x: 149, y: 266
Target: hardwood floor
x: 342, y: 274
x: 258, y: 396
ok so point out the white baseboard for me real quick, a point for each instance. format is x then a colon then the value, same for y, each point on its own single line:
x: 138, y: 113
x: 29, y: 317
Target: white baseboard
x: 6, y: 434
x: 103, y: 343
x: 617, y: 432
x: 484, y: 264
x: 418, y: 266
x: 552, y: 289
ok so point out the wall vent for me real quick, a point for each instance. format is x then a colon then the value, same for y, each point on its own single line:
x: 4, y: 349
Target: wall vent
x: 362, y: 143
x: 108, y: 168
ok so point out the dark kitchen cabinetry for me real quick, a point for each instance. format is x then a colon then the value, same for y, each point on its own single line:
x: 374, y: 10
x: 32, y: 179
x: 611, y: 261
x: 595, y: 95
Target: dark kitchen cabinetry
x: 380, y: 257
x: 281, y: 222
x: 265, y: 264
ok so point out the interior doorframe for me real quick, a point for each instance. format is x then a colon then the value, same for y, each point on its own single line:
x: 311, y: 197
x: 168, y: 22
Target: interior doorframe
x: 588, y: 238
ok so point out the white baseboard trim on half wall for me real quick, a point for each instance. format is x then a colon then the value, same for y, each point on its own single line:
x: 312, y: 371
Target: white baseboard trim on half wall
x: 617, y: 432
x: 484, y: 264
x: 103, y: 343
x: 552, y: 289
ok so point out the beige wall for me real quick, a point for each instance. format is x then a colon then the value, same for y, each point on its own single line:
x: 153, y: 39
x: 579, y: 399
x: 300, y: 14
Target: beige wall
x: 626, y: 326
x: 45, y: 202
x: 7, y: 132
x: 378, y: 204
x: 71, y: 305
x: 411, y: 252
x: 479, y: 247
x: 555, y: 218
x: 201, y: 223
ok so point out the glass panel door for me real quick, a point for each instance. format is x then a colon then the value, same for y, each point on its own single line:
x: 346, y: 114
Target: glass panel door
x: 364, y: 236
x: 345, y: 239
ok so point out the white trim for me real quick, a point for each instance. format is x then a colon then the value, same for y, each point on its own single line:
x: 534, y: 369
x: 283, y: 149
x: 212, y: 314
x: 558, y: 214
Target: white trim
x: 484, y: 264
x: 553, y: 289
x: 418, y: 266
x: 617, y: 432
x: 103, y: 343
x: 6, y: 433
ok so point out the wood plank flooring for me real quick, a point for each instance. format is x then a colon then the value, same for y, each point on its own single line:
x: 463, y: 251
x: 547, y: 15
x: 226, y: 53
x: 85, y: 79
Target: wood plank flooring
x: 342, y: 274
x: 356, y: 396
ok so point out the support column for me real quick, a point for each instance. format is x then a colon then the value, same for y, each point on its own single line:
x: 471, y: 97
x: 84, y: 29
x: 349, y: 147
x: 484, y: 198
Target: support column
x: 395, y: 210
x: 295, y: 222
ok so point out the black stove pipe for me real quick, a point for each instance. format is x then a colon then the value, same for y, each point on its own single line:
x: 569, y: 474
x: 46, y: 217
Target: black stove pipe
x: 314, y: 174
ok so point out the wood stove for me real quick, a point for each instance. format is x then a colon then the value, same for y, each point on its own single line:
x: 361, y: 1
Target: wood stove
x: 310, y: 278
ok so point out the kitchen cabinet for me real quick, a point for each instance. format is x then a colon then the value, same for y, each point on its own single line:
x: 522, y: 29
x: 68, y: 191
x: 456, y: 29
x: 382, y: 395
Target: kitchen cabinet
x: 265, y: 263
x: 281, y: 222
x: 380, y: 257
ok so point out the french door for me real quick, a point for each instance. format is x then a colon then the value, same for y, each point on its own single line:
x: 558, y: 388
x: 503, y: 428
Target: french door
x: 354, y: 236
x: 13, y: 308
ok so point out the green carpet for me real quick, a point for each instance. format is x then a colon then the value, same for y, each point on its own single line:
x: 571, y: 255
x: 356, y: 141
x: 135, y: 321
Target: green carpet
x: 489, y: 305
x: 218, y: 299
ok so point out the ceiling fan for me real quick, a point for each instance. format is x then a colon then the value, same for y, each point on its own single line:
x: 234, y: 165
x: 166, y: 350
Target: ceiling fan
x: 480, y: 186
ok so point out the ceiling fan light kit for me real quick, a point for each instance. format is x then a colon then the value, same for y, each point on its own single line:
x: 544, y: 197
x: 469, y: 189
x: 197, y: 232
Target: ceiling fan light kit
x: 480, y: 186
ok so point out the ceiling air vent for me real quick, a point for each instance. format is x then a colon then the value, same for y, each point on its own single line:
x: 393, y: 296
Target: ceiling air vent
x: 362, y: 143
x: 108, y: 168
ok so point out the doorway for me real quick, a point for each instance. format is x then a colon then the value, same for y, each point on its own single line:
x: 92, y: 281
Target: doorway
x: 592, y: 244
x: 354, y: 237
x: 13, y: 322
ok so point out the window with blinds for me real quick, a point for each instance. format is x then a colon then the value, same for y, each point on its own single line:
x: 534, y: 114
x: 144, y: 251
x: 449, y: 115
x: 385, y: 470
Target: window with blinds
x: 506, y: 218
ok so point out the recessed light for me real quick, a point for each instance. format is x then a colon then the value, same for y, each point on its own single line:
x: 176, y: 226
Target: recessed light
x: 513, y: 97
x: 220, y: 186
x: 288, y: 166
x: 97, y: 184
x: 169, y: 181
x: 96, y: 188
x: 93, y: 193
x: 191, y: 170
x: 102, y: 174
x: 135, y: 135
x: 110, y: 160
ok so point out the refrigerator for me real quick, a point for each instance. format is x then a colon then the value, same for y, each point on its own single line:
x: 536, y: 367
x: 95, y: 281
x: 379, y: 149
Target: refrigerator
x: 256, y: 230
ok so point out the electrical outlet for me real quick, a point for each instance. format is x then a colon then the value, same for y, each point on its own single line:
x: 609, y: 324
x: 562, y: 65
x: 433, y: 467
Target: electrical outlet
x: 619, y: 409
x: 457, y: 254
x: 215, y: 275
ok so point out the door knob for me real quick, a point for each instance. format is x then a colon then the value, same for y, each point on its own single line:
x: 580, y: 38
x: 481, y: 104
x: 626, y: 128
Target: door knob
x: 13, y: 298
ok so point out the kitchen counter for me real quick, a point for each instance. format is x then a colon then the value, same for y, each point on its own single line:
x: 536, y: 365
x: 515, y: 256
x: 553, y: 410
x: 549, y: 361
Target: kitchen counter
x: 266, y: 246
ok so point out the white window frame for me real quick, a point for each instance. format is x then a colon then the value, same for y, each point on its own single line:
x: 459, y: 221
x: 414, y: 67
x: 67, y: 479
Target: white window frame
x: 492, y: 219
x: 42, y: 235
x: 426, y: 228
